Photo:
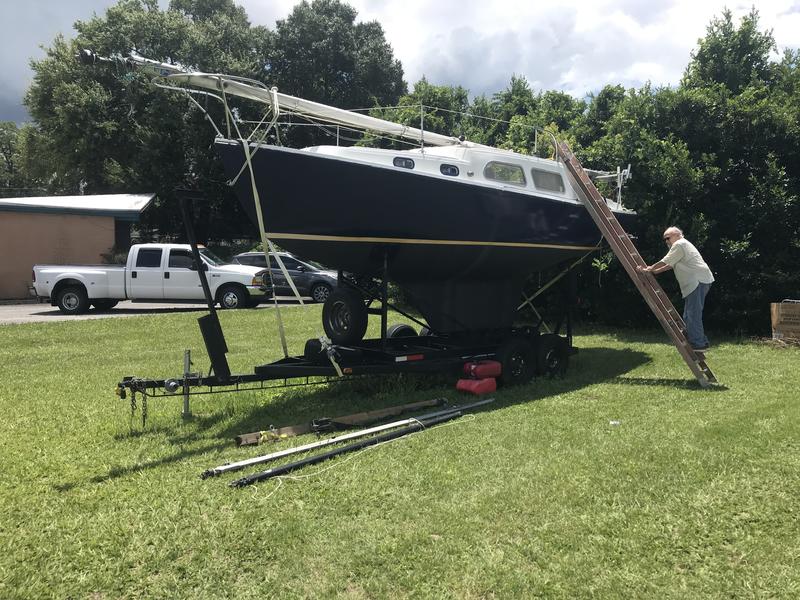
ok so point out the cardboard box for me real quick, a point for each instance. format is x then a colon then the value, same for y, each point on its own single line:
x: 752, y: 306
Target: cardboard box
x: 785, y: 320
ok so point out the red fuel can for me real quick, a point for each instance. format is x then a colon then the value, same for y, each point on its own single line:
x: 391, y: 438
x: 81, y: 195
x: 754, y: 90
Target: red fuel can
x: 483, y: 369
x: 477, y: 386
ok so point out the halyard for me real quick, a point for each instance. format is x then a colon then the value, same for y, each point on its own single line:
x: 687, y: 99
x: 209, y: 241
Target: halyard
x: 624, y: 479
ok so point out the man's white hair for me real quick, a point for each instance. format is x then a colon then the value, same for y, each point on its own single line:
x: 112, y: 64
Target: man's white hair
x: 673, y: 229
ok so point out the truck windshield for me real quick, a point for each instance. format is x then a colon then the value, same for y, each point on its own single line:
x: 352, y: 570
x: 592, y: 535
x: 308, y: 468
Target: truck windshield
x: 211, y: 258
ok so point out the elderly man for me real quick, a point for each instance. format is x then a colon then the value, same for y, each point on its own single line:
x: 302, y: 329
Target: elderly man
x: 694, y: 278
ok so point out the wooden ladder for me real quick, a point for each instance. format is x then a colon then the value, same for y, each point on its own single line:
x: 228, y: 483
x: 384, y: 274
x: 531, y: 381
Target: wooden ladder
x: 630, y: 258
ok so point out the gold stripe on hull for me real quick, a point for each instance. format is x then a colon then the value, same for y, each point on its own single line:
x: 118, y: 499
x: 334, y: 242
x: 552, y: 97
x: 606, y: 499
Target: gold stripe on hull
x: 392, y: 240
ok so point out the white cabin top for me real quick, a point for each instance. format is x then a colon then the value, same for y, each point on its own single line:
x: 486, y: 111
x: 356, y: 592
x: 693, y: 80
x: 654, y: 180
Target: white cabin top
x: 481, y: 165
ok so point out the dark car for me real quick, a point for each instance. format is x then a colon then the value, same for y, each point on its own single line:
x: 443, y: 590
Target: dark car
x: 310, y: 280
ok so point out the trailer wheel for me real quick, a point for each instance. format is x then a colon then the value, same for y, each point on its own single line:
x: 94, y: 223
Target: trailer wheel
x: 72, y: 300
x: 552, y: 355
x: 518, y: 361
x: 344, y: 317
x: 400, y: 330
x: 103, y: 305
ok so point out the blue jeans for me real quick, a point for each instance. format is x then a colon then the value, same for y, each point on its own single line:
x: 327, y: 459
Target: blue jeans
x: 693, y: 315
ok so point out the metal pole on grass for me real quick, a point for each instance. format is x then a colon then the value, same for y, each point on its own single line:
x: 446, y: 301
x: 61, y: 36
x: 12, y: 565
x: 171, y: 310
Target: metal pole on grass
x: 312, y: 460
x: 236, y: 466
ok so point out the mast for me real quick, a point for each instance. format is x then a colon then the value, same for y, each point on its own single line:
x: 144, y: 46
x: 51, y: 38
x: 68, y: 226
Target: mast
x: 252, y: 89
x: 293, y: 104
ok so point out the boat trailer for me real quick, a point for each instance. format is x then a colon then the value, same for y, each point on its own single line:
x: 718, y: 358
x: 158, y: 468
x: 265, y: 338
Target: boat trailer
x: 522, y: 352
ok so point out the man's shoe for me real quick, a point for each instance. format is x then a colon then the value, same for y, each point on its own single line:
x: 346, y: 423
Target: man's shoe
x: 701, y: 348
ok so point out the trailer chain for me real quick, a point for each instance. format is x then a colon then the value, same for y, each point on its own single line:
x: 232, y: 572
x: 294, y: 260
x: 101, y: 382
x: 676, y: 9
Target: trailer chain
x: 143, y: 404
x: 144, y: 409
x: 133, y: 405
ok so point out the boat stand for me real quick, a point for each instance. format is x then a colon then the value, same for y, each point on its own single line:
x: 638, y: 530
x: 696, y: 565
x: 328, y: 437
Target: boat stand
x: 209, y: 324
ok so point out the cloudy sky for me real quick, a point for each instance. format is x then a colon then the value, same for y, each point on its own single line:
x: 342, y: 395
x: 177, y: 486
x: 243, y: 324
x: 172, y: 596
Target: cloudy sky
x: 576, y: 46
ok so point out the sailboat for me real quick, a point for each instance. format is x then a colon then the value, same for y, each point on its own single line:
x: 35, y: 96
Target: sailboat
x: 458, y: 225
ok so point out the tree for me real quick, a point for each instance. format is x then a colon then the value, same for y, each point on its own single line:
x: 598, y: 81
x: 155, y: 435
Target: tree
x: 601, y: 109
x: 734, y: 57
x: 102, y: 130
x: 435, y: 108
x: 718, y: 157
x: 10, y: 181
x: 320, y: 53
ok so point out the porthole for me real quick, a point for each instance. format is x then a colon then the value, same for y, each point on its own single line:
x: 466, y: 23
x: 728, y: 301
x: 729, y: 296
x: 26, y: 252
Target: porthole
x: 403, y: 162
x: 449, y: 170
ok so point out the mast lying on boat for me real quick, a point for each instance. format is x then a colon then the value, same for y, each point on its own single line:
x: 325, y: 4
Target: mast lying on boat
x: 251, y: 89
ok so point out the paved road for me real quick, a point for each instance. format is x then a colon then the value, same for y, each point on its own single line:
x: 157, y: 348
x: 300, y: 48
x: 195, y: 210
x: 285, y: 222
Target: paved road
x: 34, y: 312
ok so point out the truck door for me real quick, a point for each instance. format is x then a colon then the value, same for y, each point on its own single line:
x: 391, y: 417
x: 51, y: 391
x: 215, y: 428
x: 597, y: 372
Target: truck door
x: 181, y: 279
x: 146, y: 275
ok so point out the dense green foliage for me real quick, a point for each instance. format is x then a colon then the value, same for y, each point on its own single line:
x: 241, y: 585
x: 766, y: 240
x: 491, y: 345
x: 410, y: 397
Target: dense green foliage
x: 717, y: 155
x: 623, y: 480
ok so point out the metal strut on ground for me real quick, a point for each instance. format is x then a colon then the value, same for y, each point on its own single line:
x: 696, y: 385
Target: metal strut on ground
x: 630, y: 258
x: 417, y: 425
x: 237, y: 466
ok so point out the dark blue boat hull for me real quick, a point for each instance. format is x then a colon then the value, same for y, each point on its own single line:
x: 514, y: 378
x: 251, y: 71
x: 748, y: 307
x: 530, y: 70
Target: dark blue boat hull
x: 462, y: 252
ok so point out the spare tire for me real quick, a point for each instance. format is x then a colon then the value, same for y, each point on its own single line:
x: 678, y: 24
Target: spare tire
x: 344, y: 316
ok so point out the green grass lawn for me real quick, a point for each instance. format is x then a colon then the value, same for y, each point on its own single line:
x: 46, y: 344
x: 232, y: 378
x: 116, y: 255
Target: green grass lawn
x: 694, y: 493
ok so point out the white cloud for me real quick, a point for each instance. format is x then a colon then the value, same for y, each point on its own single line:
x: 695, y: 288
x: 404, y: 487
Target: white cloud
x: 572, y: 45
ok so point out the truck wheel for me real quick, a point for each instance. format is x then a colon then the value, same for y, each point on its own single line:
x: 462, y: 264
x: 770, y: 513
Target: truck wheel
x: 72, y: 300
x: 552, y: 355
x: 518, y: 361
x: 344, y: 317
x: 232, y: 297
x: 320, y: 292
x: 103, y: 305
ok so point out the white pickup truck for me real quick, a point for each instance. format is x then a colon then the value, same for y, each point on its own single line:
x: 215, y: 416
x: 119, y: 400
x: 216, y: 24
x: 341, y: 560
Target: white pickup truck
x: 154, y: 273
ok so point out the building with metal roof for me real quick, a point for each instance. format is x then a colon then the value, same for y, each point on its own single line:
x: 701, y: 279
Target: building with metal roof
x: 62, y: 230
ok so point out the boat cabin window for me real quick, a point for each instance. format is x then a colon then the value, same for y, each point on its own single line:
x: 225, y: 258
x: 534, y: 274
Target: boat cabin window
x: 547, y: 181
x: 402, y: 161
x: 450, y: 170
x: 504, y: 172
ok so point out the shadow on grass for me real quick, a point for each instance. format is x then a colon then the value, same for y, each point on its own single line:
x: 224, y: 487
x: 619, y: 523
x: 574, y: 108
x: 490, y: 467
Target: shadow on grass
x: 138, y: 431
x: 116, y: 472
x: 301, y: 405
x: 297, y: 405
